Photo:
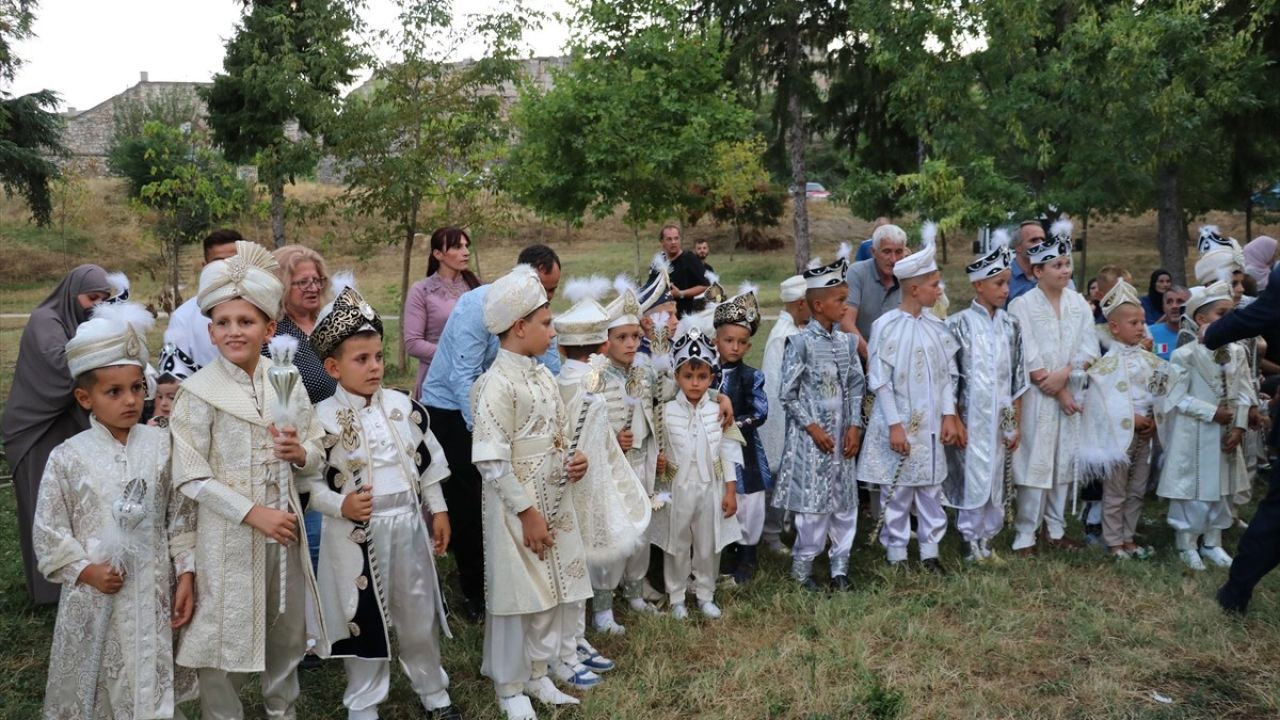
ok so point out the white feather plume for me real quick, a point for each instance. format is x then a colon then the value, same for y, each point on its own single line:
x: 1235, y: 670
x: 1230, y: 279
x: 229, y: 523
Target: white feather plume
x: 126, y: 313
x: 584, y: 288
x: 341, y: 280
x: 1209, y: 230
x: 845, y: 251
x: 748, y: 287
x: 660, y: 262
x: 1226, y: 274
x: 622, y: 283
x: 928, y: 233
x: 1061, y: 228
x: 282, y: 349
x: 1000, y: 239
x: 712, y: 278
x: 119, y: 283
x: 815, y: 262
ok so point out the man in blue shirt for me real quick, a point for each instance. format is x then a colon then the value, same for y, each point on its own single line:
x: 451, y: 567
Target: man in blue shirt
x: 1030, y: 235
x: 465, y: 350
x: 1164, y: 334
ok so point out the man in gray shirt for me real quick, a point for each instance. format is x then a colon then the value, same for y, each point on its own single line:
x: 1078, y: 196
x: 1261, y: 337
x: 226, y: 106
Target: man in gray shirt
x: 873, y: 289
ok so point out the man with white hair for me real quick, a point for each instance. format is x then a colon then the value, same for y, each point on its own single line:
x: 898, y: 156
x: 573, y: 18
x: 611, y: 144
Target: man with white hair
x: 873, y: 289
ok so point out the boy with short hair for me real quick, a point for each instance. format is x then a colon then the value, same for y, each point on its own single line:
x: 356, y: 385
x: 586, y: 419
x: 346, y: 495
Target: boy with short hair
x: 1126, y: 387
x: 236, y: 459
x: 376, y: 569
x: 1202, y: 435
x: 534, y: 562
x: 694, y: 517
x: 793, y: 318
x: 110, y: 528
x: 990, y: 382
x: 821, y: 388
x: 736, y: 321
x: 911, y: 365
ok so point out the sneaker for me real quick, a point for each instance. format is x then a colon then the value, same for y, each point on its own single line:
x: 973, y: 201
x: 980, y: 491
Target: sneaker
x: 577, y: 676
x: 1139, y: 552
x: 841, y: 583
x: 969, y: 552
x: 1192, y: 559
x: 605, y: 623
x: 1216, y: 556
x: 641, y: 606
x: 679, y: 611
x: 448, y: 712
x: 933, y: 566
x: 592, y: 659
x: 1119, y: 553
x: 984, y: 548
x: 808, y: 583
x: 776, y: 546
x: 710, y: 610
x: 1093, y: 535
x: 517, y: 707
x: 545, y: 692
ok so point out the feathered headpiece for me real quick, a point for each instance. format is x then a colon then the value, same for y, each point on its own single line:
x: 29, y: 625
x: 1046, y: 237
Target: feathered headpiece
x: 348, y: 314
x: 116, y: 334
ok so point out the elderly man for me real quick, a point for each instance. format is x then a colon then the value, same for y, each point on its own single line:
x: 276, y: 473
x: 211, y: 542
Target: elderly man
x: 688, y: 276
x: 873, y: 290
x: 465, y: 350
x: 864, y: 248
x: 1030, y: 235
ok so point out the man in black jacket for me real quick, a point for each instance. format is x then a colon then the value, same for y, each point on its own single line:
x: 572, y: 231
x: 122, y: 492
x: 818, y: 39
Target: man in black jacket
x: 1259, y: 549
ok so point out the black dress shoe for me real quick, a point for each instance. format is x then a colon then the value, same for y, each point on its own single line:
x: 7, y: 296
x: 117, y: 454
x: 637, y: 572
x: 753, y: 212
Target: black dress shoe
x: 841, y: 583
x: 448, y: 712
x: 472, y: 612
x: 934, y: 566
x: 1230, y: 604
x: 310, y: 661
x: 810, y: 585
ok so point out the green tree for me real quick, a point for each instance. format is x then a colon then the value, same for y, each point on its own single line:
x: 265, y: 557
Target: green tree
x: 418, y: 144
x: 285, y: 65
x: 30, y: 129
x: 738, y: 182
x: 633, y: 120
x: 192, y: 189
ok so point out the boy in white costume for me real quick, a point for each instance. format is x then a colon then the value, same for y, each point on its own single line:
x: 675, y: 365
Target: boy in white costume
x: 109, y: 528
x: 1202, y: 433
x: 376, y: 570
x: 237, y: 460
x: 1122, y: 408
x: 991, y: 381
x: 911, y: 369
x: 535, y: 565
x: 693, y: 519
x: 1059, y: 343
x: 792, y: 319
x: 821, y: 389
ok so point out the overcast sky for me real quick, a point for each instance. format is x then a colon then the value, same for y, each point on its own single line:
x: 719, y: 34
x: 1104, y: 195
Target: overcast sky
x: 90, y: 51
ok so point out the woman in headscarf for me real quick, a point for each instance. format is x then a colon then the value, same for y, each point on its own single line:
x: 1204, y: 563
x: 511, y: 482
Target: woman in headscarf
x: 1259, y: 256
x: 41, y: 411
x: 1153, y: 301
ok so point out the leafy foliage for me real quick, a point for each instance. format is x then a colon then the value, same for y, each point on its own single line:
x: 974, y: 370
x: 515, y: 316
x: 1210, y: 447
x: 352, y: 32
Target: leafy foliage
x: 30, y: 130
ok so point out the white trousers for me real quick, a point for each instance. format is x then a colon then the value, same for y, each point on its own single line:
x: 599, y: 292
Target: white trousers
x: 931, y: 525
x: 1036, y: 506
x: 409, y: 582
x: 981, y: 523
x: 519, y: 648
x: 813, y: 530
x: 628, y: 572
x: 1193, y: 518
x: 286, y: 641
x: 751, y: 512
x: 692, y: 551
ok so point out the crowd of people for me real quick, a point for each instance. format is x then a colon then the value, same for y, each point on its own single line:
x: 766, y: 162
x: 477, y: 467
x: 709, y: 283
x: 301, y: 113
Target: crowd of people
x: 256, y: 498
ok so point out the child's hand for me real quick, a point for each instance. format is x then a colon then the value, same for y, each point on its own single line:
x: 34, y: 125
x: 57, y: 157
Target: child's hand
x: 662, y: 464
x: 821, y: 438
x: 898, y: 439
x: 1232, y: 439
x: 730, y: 502
x: 1054, y: 382
x: 1224, y: 415
x: 287, y: 446
x: 1067, y: 401
x: 1255, y: 418
x: 852, y: 441
x: 537, y: 536
x: 441, y: 531
x: 953, y: 432
x: 1143, y: 426
x: 1011, y: 442
x: 278, y: 525
x: 726, y: 412
x: 1147, y: 343
x: 184, y: 600
x: 358, y: 506
x: 577, y: 466
x: 626, y: 440
x: 101, y: 577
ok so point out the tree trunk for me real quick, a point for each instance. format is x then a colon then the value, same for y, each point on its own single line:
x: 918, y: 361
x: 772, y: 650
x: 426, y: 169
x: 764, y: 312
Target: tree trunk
x: 635, y: 231
x: 1171, y: 229
x: 1082, y: 277
x: 942, y: 240
x: 175, y: 271
x: 276, y: 186
x: 796, y: 140
x: 411, y: 230
x: 1248, y: 218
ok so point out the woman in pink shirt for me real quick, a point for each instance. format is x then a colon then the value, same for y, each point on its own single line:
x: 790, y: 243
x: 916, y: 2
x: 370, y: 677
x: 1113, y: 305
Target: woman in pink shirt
x: 427, y: 307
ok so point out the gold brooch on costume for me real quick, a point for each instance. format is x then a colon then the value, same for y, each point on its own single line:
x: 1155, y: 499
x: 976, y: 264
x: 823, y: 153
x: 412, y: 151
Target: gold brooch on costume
x: 1158, y: 385
x: 347, y: 422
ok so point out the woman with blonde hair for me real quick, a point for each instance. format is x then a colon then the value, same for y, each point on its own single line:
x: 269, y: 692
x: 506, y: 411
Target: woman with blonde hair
x: 306, y: 287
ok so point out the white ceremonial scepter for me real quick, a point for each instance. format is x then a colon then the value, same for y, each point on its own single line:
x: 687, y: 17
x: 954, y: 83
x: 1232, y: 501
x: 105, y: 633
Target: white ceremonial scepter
x: 283, y: 376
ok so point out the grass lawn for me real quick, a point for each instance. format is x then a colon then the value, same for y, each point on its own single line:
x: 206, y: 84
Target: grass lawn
x: 1060, y: 636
